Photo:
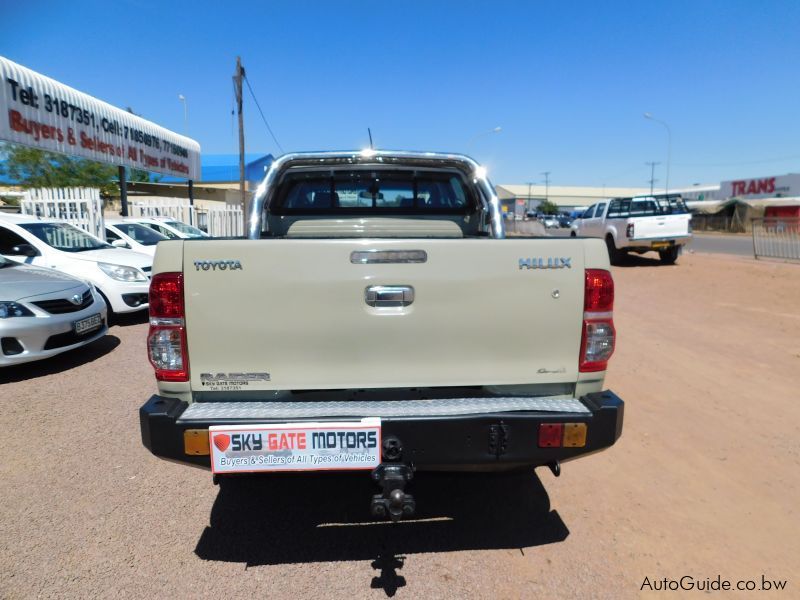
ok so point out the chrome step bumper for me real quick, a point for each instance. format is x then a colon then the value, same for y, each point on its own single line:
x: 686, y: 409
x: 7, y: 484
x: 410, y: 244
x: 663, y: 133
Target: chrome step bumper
x: 272, y: 411
x: 459, y: 434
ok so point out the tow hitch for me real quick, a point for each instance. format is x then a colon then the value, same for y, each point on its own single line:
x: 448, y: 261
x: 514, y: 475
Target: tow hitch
x: 393, y: 500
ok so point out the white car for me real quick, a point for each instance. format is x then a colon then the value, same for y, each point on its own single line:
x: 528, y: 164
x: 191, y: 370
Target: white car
x: 550, y: 221
x: 44, y: 313
x: 128, y: 234
x: 171, y: 228
x: 121, y: 276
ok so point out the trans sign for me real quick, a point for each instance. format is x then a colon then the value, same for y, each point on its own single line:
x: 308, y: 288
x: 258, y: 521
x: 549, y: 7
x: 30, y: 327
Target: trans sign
x: 762, y: 187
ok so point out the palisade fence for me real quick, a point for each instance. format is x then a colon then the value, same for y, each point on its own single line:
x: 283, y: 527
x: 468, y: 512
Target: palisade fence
x: 81, y: 207
x: 224, y: 221
x: 776, y: 237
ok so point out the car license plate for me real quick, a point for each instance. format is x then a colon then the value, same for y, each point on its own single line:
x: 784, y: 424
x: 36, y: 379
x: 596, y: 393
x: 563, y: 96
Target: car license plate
x: 659, y: 245
x: 88, y: 324
x: 295, y: 447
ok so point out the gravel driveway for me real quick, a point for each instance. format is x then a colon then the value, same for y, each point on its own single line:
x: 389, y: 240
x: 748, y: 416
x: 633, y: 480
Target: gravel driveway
x: 704, y: 481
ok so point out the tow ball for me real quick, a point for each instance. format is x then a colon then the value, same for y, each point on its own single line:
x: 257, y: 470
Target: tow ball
x: 393, y: 500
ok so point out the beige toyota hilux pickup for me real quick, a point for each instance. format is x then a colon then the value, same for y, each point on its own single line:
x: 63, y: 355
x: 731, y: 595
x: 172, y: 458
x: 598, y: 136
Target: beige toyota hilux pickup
x: 377, y: 319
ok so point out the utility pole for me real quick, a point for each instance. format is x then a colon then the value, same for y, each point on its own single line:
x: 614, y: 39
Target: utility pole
x: 653, y: 179
x: 237, y: 86
x: 546, y: 185
x: 647, y: 115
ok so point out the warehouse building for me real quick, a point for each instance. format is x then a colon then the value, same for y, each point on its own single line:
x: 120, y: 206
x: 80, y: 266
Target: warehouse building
x: 520, y: 198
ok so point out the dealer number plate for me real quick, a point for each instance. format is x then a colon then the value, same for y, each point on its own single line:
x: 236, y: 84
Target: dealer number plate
x: 295, y: 447
x: 88, y: 324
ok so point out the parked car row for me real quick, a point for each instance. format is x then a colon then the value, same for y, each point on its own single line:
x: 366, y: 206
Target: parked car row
x: 170, y: 228
x: 59, y: 284
x: 551, y: 221
x: 121, y: 276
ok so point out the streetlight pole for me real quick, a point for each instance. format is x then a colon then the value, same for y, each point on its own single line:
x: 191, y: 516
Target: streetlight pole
x: 182, y: 98
x: 649, y: 116
x: 190, y: 186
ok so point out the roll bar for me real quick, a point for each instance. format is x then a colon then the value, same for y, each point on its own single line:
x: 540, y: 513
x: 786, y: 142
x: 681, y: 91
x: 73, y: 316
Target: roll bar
x: 379, y: 158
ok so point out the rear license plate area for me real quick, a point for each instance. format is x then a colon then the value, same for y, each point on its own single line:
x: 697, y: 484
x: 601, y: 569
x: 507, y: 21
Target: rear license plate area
x: 319, y: 446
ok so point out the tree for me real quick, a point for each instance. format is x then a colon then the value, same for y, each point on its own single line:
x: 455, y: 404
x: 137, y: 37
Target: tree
x: 140, y: 175
x: 36, y: 168
x: 548, y: 208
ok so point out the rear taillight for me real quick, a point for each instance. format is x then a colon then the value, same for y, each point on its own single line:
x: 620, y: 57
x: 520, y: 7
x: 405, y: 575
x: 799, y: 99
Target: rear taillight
x: 166, y: 340
x: 629, y: 230
x: 598, y: 291
x: 598, y: 335
x: 563, y: 435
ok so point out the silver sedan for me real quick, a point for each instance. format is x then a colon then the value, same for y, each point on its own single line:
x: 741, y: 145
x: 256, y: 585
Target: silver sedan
x: 44, y: 312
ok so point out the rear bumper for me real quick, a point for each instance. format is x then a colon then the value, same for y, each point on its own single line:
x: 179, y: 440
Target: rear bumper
x: 473, y: 442
x: 680, y: 240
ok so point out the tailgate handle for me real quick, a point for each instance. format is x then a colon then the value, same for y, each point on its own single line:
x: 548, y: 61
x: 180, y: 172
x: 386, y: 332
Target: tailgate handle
x: 381, y: 296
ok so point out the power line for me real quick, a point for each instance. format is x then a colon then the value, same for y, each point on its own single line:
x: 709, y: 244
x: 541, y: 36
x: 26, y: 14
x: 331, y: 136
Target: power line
x: 247, y: 81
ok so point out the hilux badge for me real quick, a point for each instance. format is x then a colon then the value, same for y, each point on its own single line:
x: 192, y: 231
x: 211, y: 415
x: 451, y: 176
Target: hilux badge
x: 550, y: 262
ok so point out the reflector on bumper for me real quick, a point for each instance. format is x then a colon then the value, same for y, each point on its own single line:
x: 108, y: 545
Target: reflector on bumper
x: 574, y: 435
x: 195, y: 442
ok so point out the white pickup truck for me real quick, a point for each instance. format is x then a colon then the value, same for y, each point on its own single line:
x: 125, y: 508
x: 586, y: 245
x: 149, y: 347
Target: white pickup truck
x: 638, y: 225
x: 377, y: 319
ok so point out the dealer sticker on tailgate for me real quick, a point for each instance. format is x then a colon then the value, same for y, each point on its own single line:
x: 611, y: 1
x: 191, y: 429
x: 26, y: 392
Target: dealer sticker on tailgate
x: 295, y: 447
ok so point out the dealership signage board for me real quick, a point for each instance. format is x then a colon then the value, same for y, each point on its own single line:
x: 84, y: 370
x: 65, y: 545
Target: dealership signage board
x: 762, y: 187
x: 42, y: 113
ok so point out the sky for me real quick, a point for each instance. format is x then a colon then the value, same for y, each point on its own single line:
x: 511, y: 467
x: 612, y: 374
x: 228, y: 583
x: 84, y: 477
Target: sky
x: 567, y: 83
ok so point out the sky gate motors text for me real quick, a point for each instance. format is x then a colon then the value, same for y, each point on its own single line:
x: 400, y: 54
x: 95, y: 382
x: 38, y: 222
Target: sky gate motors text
x: 320, y: 440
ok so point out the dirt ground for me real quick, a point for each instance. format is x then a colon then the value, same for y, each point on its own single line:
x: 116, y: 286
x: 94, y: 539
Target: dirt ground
x: 705, y: 480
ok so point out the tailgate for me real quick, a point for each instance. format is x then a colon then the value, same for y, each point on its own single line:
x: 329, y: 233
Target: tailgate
x: 300, y: 311
x: 661, y: 226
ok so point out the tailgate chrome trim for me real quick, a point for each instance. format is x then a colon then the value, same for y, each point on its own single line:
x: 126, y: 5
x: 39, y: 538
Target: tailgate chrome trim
x: 385, y: 257
x: 215, y: 411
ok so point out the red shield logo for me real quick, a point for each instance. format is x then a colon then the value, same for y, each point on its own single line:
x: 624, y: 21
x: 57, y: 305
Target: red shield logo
x: 222, y: 441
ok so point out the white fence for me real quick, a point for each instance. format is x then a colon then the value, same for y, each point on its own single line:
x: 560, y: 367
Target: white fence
x: 80, y: 206
x: 776, y: 237
x: 225, y: 221
x: 83, y: 208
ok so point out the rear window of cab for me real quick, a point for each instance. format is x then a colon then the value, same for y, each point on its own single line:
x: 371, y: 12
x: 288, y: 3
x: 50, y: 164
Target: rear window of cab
x: 372, y: 191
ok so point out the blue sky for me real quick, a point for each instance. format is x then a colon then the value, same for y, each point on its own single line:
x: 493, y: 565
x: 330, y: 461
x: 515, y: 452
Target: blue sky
x: 567, y: 82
